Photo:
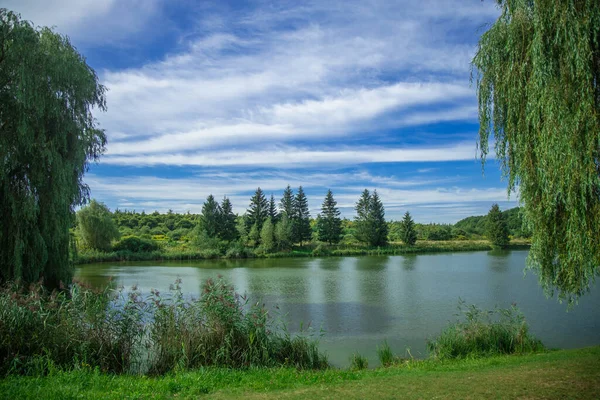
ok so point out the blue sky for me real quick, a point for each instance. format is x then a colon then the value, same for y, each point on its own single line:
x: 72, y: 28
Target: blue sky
x: 224, y: 96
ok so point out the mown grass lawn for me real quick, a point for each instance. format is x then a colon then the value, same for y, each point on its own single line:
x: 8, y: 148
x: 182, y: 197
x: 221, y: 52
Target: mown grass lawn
x: 564, y: 374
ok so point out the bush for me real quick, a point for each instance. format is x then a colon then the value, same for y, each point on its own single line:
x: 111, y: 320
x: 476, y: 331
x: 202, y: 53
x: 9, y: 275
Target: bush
x: 358, y: 362
x: 238, y: 251
x: 136, y: 245
x: 480, y: 334
x: 321, y: 250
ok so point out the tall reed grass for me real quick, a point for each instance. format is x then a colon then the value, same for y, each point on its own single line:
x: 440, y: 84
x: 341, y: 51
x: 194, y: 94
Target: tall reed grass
x: 121, y: 331
x: 484, y: 333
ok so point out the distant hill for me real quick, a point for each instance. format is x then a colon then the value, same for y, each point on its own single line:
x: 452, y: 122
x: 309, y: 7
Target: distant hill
x: 476, y: 225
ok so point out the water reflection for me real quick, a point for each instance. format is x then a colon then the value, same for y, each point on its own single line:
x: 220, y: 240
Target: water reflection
x: 360, y: 301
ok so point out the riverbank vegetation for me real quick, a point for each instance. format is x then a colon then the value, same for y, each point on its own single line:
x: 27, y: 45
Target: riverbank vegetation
x: 287, y: 230
x: 118, y: 331
x: 121, y: 331
x: 115, y: 344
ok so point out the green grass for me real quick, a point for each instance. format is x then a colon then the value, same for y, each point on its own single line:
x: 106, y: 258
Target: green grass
x: 558, y: 374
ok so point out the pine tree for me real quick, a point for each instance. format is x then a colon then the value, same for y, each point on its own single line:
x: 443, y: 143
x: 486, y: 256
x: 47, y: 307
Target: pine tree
x: 379, y: 226
x: 408, y: 233
x: 258, y: 211
x: 497, y: 229
x: 286, y: 205
x: 301, y: 218
x: 362, y: 222
x: 227, y: 225
x: 210, y: 218
x: 267, y: 236
x: 273, y: 214
x: 329, y: 223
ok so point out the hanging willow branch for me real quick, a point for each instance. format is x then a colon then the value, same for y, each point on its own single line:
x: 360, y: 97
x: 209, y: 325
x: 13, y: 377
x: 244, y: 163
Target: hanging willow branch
x: 48, y: 135
x: 537, y: 71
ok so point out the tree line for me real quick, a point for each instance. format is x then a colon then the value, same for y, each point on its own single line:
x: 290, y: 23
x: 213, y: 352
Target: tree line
x: 266, y: 225
x: 269, y: 226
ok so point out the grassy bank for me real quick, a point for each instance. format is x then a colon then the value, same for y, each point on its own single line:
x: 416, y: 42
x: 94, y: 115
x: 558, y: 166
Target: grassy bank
x: 421, y: 247
x: 557, y: 374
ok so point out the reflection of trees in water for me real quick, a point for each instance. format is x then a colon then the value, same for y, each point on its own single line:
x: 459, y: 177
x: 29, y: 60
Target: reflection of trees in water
x: 498, y: 260
x: 409, y: 262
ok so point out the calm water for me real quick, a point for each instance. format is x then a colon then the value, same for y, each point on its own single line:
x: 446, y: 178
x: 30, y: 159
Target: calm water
x: 362, y: 301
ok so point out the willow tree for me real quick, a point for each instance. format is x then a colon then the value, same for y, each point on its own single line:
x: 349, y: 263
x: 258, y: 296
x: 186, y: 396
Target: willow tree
x: 538, y: 73
x: 47, y: 138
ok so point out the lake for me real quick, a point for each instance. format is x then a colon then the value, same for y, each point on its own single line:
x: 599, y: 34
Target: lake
x: 361, y: 301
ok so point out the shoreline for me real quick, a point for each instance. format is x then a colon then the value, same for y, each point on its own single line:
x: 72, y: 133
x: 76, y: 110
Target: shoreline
x: 424, y: 247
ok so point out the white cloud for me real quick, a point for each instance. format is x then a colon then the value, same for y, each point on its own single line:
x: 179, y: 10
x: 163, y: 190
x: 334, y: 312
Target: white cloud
x: 428, y: 202
x: 93, y: 22
x: 288, y: 157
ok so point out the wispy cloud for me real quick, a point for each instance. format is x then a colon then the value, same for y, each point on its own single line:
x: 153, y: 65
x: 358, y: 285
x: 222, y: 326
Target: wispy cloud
x: 261, y: 93
x: 293, y: 157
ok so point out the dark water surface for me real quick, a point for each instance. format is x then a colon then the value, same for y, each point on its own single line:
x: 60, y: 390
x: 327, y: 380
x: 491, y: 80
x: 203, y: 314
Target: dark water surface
x: 361, y: 301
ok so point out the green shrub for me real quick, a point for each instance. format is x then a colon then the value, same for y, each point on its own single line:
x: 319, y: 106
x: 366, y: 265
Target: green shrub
x: 385, y: 354
x: 321, y: 250
x: 136, y: 245
x: 239, y: 251
x: 484, y: 333
x: 358, y: 362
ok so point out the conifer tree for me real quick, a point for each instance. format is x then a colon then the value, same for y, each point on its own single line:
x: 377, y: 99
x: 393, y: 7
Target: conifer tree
x: 408, y: 233
x: 273, y: 213
x: 301, y: 218
x: 497, y: 229
x: 362, y: 222
x: 258, y: 211
x: 227, y: 225
x: 379, y: 226
x: 286, y: 205
x: 329, y: 223
x: 210, y: 218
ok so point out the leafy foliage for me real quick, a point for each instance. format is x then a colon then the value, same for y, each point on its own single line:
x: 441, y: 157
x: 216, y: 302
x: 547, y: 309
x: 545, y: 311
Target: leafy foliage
x: 97, y: 229
x: 47, y: 138
x: 537, y: 71
x: 267, y: 236
x: 135, y: 245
